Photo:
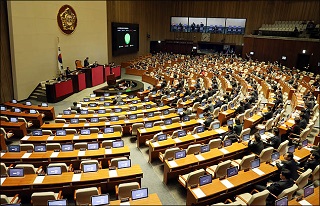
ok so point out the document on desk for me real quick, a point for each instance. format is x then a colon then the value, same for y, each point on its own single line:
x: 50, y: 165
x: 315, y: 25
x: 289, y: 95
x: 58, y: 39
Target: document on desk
x: 177, y: 140
x: 296, y: 158
x: 100, y: 136
x: 76, y: 116
x: 144, y: 110
x: 155, y: 144
x: 76, y: 177
x: 107, y: 123
x: 220, y: 131
x: 76, y: 137
x: 125, y: 203
x: 108, y: 151
x: 113, y: 173
x: 50, y: 138
x: 2, y: 179
x: 126, y: 121
x: 196, y: 136
x: 291, y: 121
x: 54, y: 154
x: 199, y: 157
x: 224, y: 151
x: 182, y: 124
x: 304, y: 203
x: 158, y: 108
x: 25, y: 138
x: 258, y: 171
x: 66, y: 125
x: 200, y: 121
x: 163, y: 127
x: 26, y: 155
x: 162, y: 117
x: 172, y: 163
x: 58, y: 116
x: 145, y: 119
x: 81, y: 153
x: 39, y: 179
x: 143, y: 130
x: 2, y: 153
x: 86, y: 124
x: 227, y: 183
x: 198, y: 192
x: 95, y: 115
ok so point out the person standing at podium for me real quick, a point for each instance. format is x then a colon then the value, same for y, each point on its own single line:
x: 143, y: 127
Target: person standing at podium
x: 86, y: 62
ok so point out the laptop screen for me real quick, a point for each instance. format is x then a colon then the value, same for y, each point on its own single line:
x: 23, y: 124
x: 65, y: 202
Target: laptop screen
x: 150, y: 114
x: 13, y: 119
x: 90, y: 167
x: 275, y: 156
x: 43, y: 104
x: 54, y: 171
x: 117, y: 110
x: 165, y: 112
x: 101, y: 111
x: 139, y: 193
x: 186, y: 118
x: 216, y: 126
x: 182, y: 133
x: 308, y: 190
x: 14, y: 148
x: 230, y: 122
x: 117, y: 143
x: 16, y: 172
x: 132, y: 116
x: 84, y: 112
x: 205, y: 179
x: 33, y: 111
x: 106, y: 104
x: 93, y: 145
x: 291, y: 149
x: 246, y: 137
x: 66, y: 147
x: 74, y: 121
x: 66, y: 112
x: 179, y: 110
x: 124, y: 164
x: 232, y: 171
x: 227, y: 142
x: 92, y: 104
x: 148, y: 125
x: 255, y: 163
x: 261, y: 131
x: 100, y: 200
x: 108, y: 130
x: 200, y: 129
x: 204, y: 148
x: 61, y: 202
x: 17, y: 109
x: 304, y: 143
x: 85, y: 131
x: 134, y: 108
x: 94, y: 119
x: 114, y: 118
x: 180, y: 154
x: 162, y: 137
x: 40, y: 148
x: 61, y: 132
x: 134, y: 101
x: 86, y: 99
x: 3, y: 108
x: 167, y: 121
x: 37, y: 132
x: 282, y: 202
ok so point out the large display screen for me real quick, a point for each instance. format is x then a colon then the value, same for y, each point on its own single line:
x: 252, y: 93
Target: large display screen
x: 125, y: 38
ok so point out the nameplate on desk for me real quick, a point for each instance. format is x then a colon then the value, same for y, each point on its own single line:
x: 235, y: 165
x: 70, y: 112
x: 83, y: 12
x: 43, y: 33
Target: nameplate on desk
x: 54, y: 154
x: 177, y: 140
x: 196, y: 136
x: 76, y: 116
x: 155, y: 144
x: 38, y: 180
x: 50, y: 138
x: 59, y: 115
x: 172, y: 163
x: 126, y: 121
x: 100, y: 136
x: 76, y: 177
x: 162, y: 117
x: 304, y: 202
x: 144, y: 110
x: 2, y: 179
x: 258, y: 171
x: 26, y: 155
x: 113, y: 173
x: 200, y: 121
x: 81, y: 153
x: 128, y: 112
x: 2, y: 154
x: 182, y: 124
x: 145, y: 119
x: 108, y: 151
x: 86, y: 124
x: 107, y: 123
x: 25, y: 138
x: 199, y: 157
x: 66, y: 125
x: 101, y: 107
x: 158, y: 108
x: 125, y: 203
x: 95, y: 115
x: 198, y: 192
x: 226, y: 183
x: 163, y: 127
x: 220, y: 131
x: 224, y: 151
x: 296, y: 158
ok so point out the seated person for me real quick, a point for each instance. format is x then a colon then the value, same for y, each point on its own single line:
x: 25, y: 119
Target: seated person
x: 238, y: 127
x: 75, y: 107
x: 208, y: 120
x: 240, y: 109
x: 312, y: 162
x: 268, y: 115
x: 230, y: 134
x: 275, y: 140
x: 278, y: 110
x: 255, y: 144
x: 303, y: 122
x: 295, y: 129
x: 288, y: 163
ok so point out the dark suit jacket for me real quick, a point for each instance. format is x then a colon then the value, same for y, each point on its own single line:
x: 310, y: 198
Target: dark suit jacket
x: 290, y: 165
x: 239, y: 110
x: 303, y: 124
x: 310, y: 164
x: 237, y: 129
x: 274, y: 142
x: 255, y: 147
x: 277, y: 187
x: 268, y: 115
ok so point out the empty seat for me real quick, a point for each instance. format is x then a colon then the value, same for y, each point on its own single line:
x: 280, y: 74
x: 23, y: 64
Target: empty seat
x: 282, y: 149
x: 71, y: 131
x: 60, y: 121
x: 53, y: 146
x: 38, y: 198
x: 47, y: 132
x: 64, y: 167
x: 9, y: 200
x: 135, y: 128
x: 191, y: 178
x: 79, y: 145
x: 265, y: 154
x: 83, y: 196
x: 114, y: 161
x: 106, y: 143
x: 26, y: 147
x: 302, y: 181
x: 316, y: 176
x: 86, y: 162
x: 169, y: 153
x: 258, y: 198
x: 175, y: 119
x: 124, y: 189
x: 29, y: 168
x: 158, y: 123
x: 94, y: 130
x: 6, y: 135
x: 28, y: 124
x: 215, y: 143
x: 219, y: 170
x: 195, y: 148
x: 4, y: 168
x: 117, y: 128
x: 245, y: 162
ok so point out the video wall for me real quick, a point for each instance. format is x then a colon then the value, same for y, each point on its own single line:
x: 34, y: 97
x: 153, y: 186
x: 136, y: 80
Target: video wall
x: 208, y: 25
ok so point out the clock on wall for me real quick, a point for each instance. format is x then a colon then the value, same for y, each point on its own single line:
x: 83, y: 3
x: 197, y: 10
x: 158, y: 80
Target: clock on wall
x: 205, y: 37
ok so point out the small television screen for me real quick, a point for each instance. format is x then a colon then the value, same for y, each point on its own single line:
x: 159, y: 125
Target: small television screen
x: 230, y: 122
x: 40, y: 148
x: 93, y: 95
x: 28, y: 103
x: 101, y: 99
x: 261, y: 131
x: 14, y: 101
x: 125, y: 38
x: 114, y: 118
x: 161, y: 104
x: 281, y: 202
x: 232, y: 171
x: 74, y: 121
x: 255, y: 163
x: 44, y: 104
x: 117, y: 110
x: 14, y: 148
x: 86, y: 99
x: 17, y: 109
x: 186, y: 118
x: 84, y: 112
x: 13, y: 119
x: 16, y: 172
x: 61, y: 132
x: 165, y: 112
x: 54, y: 170
x: 179, y: 24
x: 93, y: 145
x: 60, y: 202
x: 133, y: 108
x: 284, y: 58
x: 124, y: 164
x: 139, y: 193
x: 231, y: 105
x: 150, y: 114
x: 66, y: 147
x: 200, y: 129
x: 147, y: 100
x: 225, y: 108
x: 197, y: 24
x: 275, y: 156
x: 235, y: 26
x: 246, y: 137
x: 90, y: 167
x: 308, y: 190
x: 119, y: 93
x: 148, y: 106
x: 37, y: 132
x: 106, y: 104
x: 134, y: 101
x: 101, y: 111
x: 216, y: 126
x: 108, y: 130
x: 94, y: 119
x: 97, y: 200
x: 122, y: 103
x: 3, y: 108
x: 117, y: 144
x: 66, y: 112
x: 250, y: 114
x: 205, y: 148
x: 33, y: 111
x: 162, y: 137
x: 92, y: 104
x: 106, y: 94
x: 205, y: 179
x: 227, y: 142
x: 203, y: 103
x: 167, y: 121
x: 291, y: 149
x: 148, y: 125
x: 85, y: 131
x: 180, y: 154
x: 182, y: 133
x: 132, y: 116
x: 304, y: 143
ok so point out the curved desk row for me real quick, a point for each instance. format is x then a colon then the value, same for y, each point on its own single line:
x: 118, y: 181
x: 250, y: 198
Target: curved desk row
x: 48, y: 111
x: 36, y: 119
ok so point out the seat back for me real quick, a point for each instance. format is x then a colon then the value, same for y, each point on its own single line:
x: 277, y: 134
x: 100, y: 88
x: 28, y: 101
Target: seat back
x: 247, y: 113
x: 53, y: 146
x: 170, y: 153
x: 221, y: 169
x: 38, y: 198
x: 216, y: 112
x: 83, y: 196
x: 94, y: 130
x: 175, y: 119
x: 79, y: 145
x: 71, y: 131
x: 64, y: 167
x: 268, y: 125
x: 27, y: 168
x: 193, y: 177
x: 195, y: 106
x: 193, y: 149
x: 60, y: 121
x: 106, y: 143
x: 83, y: 162
x: 288, y: 192
x: 241, y: 117
x: 215, y: 143
x: 246, y: 161
x: 114, y: 161
x: 244, y: 132
x: 316, y: 174
x: 158, y: 123
x: 265, y: 154
x: 124, y: 189
x: 4, y: 118
x: 26, y: 147
x: 303, y: 179
x: 3, y: 169
x: 194, y: 131
x: 46, y: 132
x: 4, y: 199
x: 259, y: 198
x: 117, y: 128
x: 135, y: 128
x: 282, y: 149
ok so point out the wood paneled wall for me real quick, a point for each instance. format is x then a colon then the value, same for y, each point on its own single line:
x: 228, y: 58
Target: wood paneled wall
x: 154, y: 17
x: 6, y: 84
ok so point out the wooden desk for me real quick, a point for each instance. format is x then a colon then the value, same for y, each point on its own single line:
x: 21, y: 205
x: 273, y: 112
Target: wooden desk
x: 312, y: 199
x: 48, y: 111
x: 153, y: 199
x: 3, y: 142
x: 18, y: 128
x: 36, y: 119
x: 217, y: 189
x: 283, y: 128
x: 185, y: 104
x: 224, y: 116
x: 70, y: 138
x: 174, y: 168
x: 252, y: 121
x: 126, y: 107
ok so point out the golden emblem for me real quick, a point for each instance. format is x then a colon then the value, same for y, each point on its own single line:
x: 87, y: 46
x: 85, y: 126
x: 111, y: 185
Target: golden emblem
x: 67, y: 19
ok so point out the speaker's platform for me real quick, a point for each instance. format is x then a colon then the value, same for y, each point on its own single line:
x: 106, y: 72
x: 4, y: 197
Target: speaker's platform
x: 123, y: 86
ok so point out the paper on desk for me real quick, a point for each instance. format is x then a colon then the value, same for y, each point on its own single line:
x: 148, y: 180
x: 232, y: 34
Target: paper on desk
x: 108, y: 151
x: 158, y: 108
x: 66, y: 125
x: 162, y: 117
x: 54, y: 154
x: 155, y: 144
x: 258, y: 171
x: 199, y: 157
x: 125, y: 203
x: 177, y: 140
x: 95, y: 115
x: 76, y: 137
x: 227, y: 183
x: 59, y: 115
x: 224, y: 151
x: 81, y: 153
x: 143, y: 130
x: 304, y: 202
x: 172, y: 163
x: 86, y: 124
x: 2, y: 153
x: 107, y: 123
x: 26, y: 155
x: 144, y: 110
x: 25, y: 138
x: 126, y: 121
x: 220, y: 131
x: 100, y: 135
x: 291, y: 121
x: 38, y: 180
x: 163, y: 127
x: 50, y: 138
x: 296, y: 158
x: 113, y: 173
x: 196, y: 136
x: 76, y: 116
x: 200, y: 121
x: 145, y: 119
x: 198, y: 192
x: 182, y: 124
x: 2, y: 179
x: 308, y: 148
x: 76, y: 177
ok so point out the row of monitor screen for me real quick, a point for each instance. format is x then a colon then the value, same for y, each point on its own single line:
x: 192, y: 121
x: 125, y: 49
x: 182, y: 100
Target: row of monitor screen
x: 63, y: 132
x: 43, y: 104
x: 94, y: 104
x: 67, y: 146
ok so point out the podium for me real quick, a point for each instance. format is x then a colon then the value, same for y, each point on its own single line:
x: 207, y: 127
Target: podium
x: 111, y: 79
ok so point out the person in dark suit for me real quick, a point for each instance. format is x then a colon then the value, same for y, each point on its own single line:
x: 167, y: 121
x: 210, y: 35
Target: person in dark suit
x: 303, y: 122
x: 230, y: 134
x: 75, y: 107
x: 312, y: 162
x: 237, y: 128
x: 278, y: 110
x: 218, y: 102
x: 295, y: 129
x: 247, y: 104
x: 268, y: 115
x: 240, y: 109
x: 290, y: 164
x: 275, y: 140
x: 208, y: 120
x: 86, y: 62
x: 255, y: 144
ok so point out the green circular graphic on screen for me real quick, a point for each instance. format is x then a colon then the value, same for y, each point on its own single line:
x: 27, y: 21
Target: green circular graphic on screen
x: 127, y: 38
